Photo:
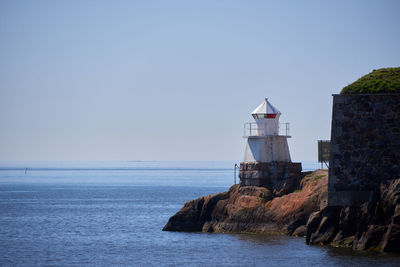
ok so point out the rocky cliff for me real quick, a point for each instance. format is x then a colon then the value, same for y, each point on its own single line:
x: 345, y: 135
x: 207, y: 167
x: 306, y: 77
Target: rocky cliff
x: 254, y: 209
x: 303, y: 212
x: 373, y: 225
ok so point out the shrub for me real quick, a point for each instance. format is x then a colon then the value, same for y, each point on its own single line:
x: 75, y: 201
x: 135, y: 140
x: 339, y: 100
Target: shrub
x: 382, y: 81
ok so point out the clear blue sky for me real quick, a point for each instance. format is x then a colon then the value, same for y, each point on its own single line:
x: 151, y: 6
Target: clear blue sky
x: 176, y: 80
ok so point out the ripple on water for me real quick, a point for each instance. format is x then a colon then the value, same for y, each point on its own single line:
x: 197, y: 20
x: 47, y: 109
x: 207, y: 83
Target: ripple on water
x: 112, y: 224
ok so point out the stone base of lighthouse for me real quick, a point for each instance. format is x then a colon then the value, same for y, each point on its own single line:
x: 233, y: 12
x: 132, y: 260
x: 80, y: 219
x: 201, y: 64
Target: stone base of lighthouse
x: 275, y: 176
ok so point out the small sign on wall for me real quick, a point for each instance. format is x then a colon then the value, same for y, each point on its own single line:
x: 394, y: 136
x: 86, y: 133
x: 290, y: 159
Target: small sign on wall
x: 324, y: 147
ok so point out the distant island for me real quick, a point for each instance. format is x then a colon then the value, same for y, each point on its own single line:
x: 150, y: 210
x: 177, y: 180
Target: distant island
x: 355, y: 205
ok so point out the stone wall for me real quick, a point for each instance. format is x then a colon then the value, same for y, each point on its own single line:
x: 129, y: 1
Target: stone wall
x: 278, y: 177
x: 365, y: 146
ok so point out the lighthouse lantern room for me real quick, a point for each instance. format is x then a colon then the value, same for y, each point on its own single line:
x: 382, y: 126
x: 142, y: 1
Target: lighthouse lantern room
x: 267, y: 118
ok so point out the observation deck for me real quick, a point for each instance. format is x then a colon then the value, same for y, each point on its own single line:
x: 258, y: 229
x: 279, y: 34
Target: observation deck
x: 252, y: 130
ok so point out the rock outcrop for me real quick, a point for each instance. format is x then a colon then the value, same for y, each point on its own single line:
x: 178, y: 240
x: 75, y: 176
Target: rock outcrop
x: 373, y: 225
x: 254, y: 209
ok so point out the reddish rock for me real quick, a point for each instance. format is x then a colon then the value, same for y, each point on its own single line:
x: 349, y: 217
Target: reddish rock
x: 373, y: 225
x: 253, y: 209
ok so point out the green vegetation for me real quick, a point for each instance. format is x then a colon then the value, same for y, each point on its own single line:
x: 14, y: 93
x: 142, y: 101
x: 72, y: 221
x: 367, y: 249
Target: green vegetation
x: 316, y: 177
x: 382, y: 81
x: 297, y: 190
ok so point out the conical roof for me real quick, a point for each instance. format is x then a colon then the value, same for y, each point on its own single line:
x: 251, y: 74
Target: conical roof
x: 266, y: 108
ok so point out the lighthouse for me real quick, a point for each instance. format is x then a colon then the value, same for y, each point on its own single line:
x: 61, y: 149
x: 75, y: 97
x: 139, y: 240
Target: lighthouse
x: 267, y: 159
x: 264, y: 143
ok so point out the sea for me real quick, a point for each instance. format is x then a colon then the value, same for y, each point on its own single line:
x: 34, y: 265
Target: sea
x: 112, y: 214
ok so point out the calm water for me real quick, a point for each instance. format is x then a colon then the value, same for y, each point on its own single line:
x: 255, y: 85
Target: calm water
x: 112, y: 213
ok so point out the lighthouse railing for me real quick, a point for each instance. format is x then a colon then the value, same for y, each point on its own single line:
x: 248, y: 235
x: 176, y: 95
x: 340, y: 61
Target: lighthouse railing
x: 252, y: 129
x: 285, y: 127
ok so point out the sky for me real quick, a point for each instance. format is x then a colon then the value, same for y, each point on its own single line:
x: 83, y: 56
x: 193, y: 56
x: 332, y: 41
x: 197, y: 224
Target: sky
x: 176, y: 80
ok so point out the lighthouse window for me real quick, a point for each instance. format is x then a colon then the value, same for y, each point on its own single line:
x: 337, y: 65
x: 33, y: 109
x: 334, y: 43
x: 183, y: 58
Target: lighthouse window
x: 263, y: 116
x: 259, y: 116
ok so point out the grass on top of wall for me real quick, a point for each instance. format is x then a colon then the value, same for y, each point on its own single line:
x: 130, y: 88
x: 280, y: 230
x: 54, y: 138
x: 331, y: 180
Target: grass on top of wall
x: 381, y: 81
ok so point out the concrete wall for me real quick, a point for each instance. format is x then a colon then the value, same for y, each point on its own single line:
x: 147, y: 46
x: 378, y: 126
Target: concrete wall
x: 267, y: 149
x: 365, y: 146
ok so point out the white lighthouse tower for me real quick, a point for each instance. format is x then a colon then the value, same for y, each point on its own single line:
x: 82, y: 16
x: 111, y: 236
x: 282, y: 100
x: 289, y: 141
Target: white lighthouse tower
x: 264, y: 143
x: 266, y: 159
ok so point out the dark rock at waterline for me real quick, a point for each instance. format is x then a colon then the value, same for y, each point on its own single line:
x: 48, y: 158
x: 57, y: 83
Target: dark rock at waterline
x: 300, y: 231
x: 370, y: 226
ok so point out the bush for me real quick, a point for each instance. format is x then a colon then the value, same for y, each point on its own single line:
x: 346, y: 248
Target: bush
x: 382, y: 81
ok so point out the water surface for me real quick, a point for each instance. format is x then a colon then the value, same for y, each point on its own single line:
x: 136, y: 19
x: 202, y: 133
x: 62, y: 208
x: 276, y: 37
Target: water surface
x: 112, y: 213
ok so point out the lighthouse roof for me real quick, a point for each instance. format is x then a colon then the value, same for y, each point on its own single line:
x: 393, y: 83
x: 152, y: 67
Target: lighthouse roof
x: 266, y: 108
